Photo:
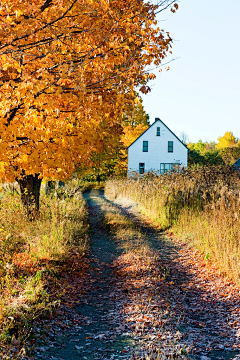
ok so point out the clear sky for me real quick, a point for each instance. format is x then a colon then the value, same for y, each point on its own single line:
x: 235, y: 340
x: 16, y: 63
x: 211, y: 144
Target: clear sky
x: 200, y: 94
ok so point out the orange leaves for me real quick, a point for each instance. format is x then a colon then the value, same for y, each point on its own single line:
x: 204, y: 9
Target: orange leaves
x: 23, y: 260
x: 132, y: 133
x: 18, y: 13
x: 70, y: 64
x: 145, y: 89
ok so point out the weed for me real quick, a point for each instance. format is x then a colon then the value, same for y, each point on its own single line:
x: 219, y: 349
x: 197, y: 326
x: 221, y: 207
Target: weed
x: 31, y: 254
x: 202, y: 205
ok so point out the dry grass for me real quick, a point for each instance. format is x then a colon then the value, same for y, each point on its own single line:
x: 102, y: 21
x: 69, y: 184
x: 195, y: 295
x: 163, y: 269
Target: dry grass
x: 201, y: 205
x: 31, y: 254
x: 127, y: 234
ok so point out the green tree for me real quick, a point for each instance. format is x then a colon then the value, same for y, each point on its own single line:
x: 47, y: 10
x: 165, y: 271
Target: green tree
x: 204, y: 153
x: 198, y: 147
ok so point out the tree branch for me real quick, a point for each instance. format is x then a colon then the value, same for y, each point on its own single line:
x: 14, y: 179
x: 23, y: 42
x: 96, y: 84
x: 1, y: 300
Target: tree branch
x: 47, y: 4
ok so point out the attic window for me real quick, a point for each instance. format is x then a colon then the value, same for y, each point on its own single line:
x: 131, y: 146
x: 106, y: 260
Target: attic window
x: 170, y: 146
x: 158, y: 131
x: 145, y: 146
x: 141, y: 168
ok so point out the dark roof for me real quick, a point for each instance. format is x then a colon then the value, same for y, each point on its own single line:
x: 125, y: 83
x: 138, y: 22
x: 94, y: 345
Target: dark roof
x: 157, y: 119
x: 236, y: 164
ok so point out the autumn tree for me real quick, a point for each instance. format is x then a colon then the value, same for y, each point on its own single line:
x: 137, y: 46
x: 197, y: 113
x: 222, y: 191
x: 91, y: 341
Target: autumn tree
x: 112, y: 159
x: 106, y: 160
x: 67, y: 69
x: 135, y: 122
x: 231, y: 153
x: 227, y: 140
x: 229, y: 147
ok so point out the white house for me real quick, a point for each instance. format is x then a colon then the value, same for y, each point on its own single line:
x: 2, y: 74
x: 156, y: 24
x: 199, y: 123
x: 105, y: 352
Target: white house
x: 156, y: 149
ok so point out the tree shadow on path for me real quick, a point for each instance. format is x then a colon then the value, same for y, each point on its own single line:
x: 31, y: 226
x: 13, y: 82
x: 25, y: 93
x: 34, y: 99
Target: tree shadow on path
x: 99, y: 334
x: 206, y: 314
x: 102, y: 326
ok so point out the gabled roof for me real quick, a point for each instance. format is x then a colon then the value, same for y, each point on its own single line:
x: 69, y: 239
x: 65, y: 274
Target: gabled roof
x: 157, y: 119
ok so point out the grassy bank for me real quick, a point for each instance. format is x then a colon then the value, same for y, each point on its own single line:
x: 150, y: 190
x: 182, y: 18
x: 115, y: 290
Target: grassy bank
x: 202, y: 206
x: 33, y: 255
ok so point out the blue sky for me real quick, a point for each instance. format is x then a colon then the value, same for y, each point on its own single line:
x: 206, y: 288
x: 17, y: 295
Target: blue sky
x: 200, y: 94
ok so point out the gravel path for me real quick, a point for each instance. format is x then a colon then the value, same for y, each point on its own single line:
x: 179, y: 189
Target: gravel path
x: 105, y: 324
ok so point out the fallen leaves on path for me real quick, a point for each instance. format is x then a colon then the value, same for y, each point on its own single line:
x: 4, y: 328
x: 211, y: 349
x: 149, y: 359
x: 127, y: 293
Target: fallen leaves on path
x: 157, y: 299
x: 196, y: 307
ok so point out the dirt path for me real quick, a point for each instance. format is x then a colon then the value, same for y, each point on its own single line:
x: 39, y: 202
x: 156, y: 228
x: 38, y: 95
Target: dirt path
x: 163, y: 310
x: 92, y: 330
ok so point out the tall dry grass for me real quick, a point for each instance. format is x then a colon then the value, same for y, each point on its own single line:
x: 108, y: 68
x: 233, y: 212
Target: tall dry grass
x: 201, y: 205
x: 31, y: 254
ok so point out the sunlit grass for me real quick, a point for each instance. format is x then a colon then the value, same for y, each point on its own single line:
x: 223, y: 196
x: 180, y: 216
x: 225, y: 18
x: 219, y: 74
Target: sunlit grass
x: 202, y: 206
x: 33, y: 251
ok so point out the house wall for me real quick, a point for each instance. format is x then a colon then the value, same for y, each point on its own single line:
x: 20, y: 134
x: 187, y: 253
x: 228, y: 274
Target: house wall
x: 157, y: 150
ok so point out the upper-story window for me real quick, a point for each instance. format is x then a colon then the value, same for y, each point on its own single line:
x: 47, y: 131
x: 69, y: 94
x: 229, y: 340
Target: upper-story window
x: 145, y: 146
x: 170, y: 146
x: 158, y: 131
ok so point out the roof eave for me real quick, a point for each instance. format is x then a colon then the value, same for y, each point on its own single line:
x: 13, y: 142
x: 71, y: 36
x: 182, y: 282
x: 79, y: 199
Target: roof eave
x: 157, y: 119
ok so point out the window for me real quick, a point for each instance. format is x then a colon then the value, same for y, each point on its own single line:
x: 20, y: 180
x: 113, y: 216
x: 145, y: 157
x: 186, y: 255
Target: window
x: 158, y: 131
x: 145, y: 146
x: 141, y: 168
x: 166, y: 168
x: 170, y: 146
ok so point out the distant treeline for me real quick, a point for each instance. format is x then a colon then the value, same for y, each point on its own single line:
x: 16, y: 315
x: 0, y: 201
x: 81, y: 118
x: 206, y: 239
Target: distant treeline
x: 225, y: 151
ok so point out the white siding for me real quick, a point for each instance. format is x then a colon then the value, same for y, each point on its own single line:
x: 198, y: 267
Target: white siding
x: 157, y: 149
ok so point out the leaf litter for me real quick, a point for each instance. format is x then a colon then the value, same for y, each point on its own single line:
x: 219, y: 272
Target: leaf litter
x: 167, y: 304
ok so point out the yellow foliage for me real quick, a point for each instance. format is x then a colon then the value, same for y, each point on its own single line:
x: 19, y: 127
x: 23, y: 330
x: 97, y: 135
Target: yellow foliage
x: 67, y: 70
x: 132, y: 133
x: 227, y: 140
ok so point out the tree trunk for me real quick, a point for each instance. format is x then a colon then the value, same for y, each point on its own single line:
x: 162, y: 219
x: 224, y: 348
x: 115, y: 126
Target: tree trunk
x: 30, y: 194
